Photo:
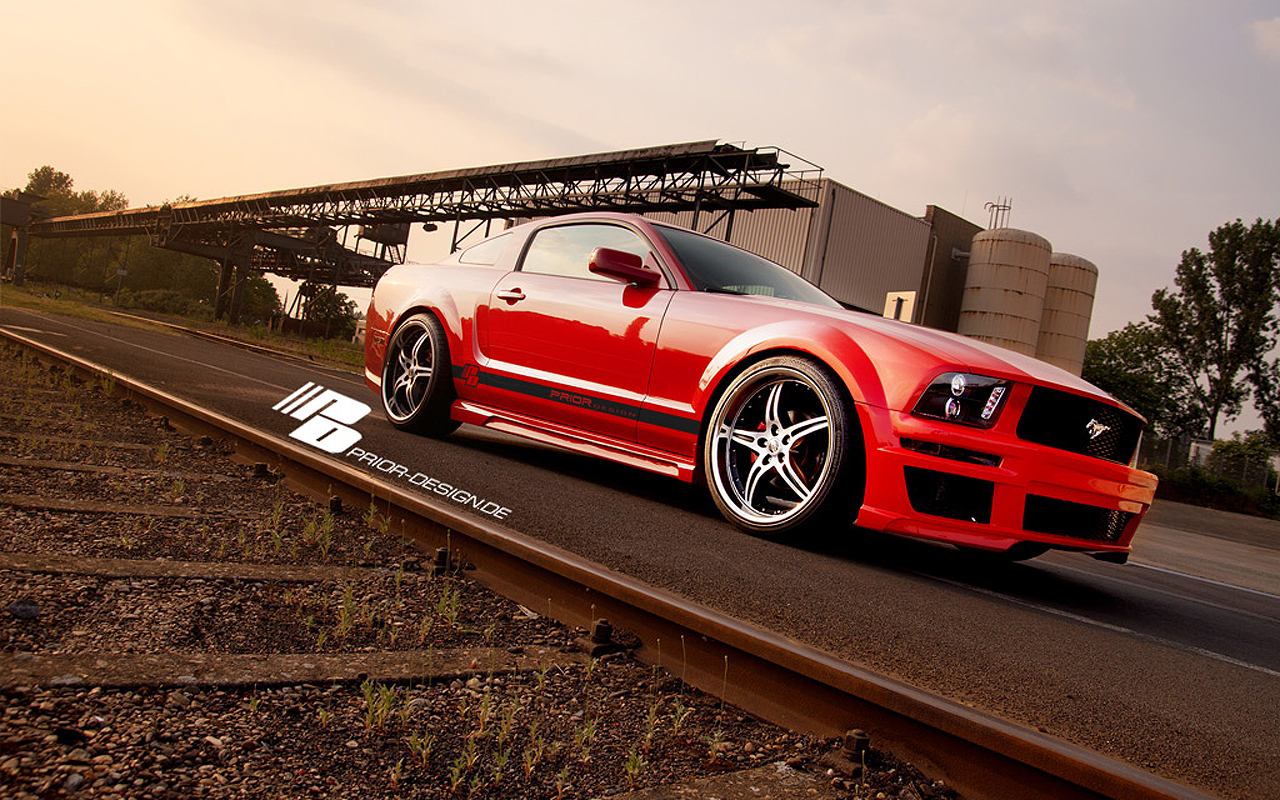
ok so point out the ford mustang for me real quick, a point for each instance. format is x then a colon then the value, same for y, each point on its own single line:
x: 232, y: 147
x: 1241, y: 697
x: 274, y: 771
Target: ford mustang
x: 661, y: 348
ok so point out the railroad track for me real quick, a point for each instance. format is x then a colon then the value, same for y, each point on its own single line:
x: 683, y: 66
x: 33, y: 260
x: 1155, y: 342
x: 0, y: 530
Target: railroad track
x: 760, y: 671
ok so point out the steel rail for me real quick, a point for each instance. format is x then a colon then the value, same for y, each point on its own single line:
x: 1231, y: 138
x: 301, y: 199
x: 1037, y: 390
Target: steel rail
x: 758, y: 670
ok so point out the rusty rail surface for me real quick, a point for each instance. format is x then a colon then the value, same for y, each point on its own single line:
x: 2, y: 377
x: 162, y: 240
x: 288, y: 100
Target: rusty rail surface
x: 758, y: 670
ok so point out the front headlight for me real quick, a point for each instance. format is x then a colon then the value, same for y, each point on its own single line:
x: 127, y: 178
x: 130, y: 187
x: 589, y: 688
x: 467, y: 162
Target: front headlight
x: 964, y: 398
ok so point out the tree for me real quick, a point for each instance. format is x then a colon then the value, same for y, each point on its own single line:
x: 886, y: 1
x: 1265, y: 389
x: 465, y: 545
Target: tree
x: 1132, y: 365
x: 328, y: 307
x: 261, y: 302
x: 60, y: 198
x: 1219, y: 322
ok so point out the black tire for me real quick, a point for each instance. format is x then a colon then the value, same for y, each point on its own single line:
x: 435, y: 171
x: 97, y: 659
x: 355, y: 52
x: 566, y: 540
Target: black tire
x: 417, y: 378
x: 777, y: 451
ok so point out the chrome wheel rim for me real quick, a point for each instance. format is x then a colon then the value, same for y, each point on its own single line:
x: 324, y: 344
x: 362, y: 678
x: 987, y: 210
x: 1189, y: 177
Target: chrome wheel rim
x: 407, y: 374
x: 772, y: 446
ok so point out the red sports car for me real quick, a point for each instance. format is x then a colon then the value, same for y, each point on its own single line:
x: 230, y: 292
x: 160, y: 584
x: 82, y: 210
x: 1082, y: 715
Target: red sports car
x: 654, y: 346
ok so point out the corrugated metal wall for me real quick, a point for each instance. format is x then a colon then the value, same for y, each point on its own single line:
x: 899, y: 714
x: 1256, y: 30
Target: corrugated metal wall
x: 866, y: 249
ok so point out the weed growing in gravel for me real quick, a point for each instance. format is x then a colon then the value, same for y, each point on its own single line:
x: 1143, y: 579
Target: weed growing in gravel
x: 346, y: 613
x: 634, y: 765
x: 424, y: 628
x: 483, y: 712
x: 277, y: 512
x: 380, y: 703
x: 714, y: 741
x: 651, y: 724
x: 471, y: 754
x: 447, y: 605
x: 420, y: 746
x: 679, y: 713
x: 562, y: 781
x: 533, y: 752
x: 508, y: 720
x: 161, y: 453
x: 107, y: 383
x: 324, y: 540
x: 584, y: 736
x: 500, y: 760
x: 68, y: 384
x: 458, y: 772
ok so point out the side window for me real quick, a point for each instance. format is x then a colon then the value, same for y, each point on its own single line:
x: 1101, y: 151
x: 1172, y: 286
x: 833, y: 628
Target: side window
x: 566, y: 249
x: 487, y: 252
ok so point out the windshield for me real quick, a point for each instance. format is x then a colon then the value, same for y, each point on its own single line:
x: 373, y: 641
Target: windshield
x: 713, y: 266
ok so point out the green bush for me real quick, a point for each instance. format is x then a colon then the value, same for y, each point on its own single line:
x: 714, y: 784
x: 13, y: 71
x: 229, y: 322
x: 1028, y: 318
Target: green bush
x: 163, y: 301
x: 1197, y: 487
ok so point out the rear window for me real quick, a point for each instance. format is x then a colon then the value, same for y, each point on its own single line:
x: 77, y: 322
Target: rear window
x: 487, y: 252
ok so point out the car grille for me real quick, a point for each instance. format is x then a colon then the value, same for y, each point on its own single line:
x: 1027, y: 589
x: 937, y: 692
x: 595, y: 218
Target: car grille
x: 953, y: 496
x: 1079, y: 424
x: 1077, y: 520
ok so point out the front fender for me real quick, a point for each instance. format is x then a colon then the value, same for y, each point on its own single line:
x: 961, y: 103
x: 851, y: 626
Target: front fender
x: 827, y: 344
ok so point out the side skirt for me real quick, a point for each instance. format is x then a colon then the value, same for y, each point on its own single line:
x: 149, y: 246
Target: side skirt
x: 628, y: 453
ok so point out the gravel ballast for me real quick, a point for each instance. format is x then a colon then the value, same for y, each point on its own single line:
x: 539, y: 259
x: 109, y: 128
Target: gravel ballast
x: 174, y: 623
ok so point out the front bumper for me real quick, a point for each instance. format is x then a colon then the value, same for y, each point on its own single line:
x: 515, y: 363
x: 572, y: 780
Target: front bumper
x: 942, y: 485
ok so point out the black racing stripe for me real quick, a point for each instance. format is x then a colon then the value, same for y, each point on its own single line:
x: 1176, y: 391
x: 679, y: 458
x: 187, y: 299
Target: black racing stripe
x: 648, y: 416
x: 662, y: 419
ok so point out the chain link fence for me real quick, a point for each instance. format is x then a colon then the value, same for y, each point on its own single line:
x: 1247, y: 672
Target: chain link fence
x: 1170, y: 454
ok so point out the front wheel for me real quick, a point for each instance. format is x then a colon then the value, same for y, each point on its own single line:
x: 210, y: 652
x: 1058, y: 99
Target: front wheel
x: 417, y: 377
x: 777, y: 450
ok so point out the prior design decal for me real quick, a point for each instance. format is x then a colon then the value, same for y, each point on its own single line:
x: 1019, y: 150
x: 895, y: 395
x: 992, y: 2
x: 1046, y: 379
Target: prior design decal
x: 328, y: 415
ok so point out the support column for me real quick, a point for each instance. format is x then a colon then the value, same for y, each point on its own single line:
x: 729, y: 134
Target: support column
x: 224, y: 287
x: 237, y: 291
x: 20, y: 256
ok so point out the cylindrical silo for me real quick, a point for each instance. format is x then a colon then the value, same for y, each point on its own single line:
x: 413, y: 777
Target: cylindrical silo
x: 1068, y: 306
x: 1004, y: 290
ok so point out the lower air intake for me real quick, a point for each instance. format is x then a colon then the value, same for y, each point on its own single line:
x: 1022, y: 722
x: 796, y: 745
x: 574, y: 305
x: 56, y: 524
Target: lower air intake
x: 1077, y: 520
x: 952, y: 496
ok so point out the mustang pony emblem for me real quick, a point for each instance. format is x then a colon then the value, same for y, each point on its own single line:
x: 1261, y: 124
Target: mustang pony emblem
x: 1096, y: 429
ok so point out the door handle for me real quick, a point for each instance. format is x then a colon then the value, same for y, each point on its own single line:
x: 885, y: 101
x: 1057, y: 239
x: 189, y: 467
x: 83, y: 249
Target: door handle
x: 511, y: 295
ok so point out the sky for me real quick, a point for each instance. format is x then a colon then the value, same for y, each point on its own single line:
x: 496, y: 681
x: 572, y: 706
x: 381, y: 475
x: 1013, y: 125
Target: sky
x: 1123, y: 131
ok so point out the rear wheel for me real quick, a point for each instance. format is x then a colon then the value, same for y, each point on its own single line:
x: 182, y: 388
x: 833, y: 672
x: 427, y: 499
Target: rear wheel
x: 417, y: 377
x: 777, y: 450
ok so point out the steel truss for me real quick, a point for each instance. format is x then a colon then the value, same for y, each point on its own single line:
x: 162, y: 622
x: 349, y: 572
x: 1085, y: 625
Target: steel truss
x: 292, y: 232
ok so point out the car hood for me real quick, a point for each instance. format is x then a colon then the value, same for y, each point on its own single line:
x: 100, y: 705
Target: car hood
x: 951, y: 350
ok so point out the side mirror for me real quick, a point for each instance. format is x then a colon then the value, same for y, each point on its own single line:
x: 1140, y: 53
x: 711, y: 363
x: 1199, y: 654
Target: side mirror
x: 627, y: 267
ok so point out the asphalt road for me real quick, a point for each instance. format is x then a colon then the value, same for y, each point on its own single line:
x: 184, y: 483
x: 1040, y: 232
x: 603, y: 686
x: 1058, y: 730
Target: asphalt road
x: 1171, y: 663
